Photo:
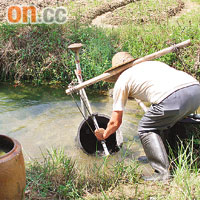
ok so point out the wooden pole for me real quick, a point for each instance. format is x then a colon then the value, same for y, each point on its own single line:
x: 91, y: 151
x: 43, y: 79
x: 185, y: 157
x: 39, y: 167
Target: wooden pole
x: 141, y: 104
x: 122, y: 68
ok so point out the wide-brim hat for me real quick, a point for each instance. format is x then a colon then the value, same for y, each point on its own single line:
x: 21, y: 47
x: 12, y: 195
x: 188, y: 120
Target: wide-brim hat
x: 120, y: 59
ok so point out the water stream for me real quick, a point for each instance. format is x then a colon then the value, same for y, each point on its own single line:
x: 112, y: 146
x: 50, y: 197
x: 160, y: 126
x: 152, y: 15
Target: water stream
x: 42, y: 118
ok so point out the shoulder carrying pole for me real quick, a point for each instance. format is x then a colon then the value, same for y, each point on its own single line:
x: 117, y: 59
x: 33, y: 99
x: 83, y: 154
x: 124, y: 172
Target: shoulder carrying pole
x: 120, y: 69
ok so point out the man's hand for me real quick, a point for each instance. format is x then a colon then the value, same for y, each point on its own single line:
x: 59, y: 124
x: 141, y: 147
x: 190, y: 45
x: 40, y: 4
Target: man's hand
x: 99, y: 133
x: 113, y: 125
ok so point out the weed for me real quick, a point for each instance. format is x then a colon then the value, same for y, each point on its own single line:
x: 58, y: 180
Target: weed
x: 29, y: 53
x: 186, y: 174
x: 54, y: 178
x: 38, y: 53
x: 57, y: 177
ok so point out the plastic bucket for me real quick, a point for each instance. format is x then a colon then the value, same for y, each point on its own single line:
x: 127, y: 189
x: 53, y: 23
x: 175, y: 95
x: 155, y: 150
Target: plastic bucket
x: 88, y: 142
x: 181, y: 133
x: 12, y: 170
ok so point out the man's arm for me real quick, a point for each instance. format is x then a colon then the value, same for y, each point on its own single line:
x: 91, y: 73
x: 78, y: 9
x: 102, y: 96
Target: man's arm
x: 113, y: 125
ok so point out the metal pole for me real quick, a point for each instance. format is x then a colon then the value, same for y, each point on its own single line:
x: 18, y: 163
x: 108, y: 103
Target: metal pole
x: 76, y: 48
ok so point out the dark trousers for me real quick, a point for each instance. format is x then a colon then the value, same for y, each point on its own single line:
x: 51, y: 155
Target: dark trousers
x: 172, y: 109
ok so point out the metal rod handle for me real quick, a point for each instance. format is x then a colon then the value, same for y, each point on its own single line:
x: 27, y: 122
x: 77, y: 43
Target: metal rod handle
x: 85, y: 98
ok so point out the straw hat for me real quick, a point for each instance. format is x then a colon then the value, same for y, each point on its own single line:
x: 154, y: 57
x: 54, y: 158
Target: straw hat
x: 118, y: 60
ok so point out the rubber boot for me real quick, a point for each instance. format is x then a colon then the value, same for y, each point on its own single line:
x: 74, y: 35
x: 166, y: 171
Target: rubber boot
x: 157, y: 156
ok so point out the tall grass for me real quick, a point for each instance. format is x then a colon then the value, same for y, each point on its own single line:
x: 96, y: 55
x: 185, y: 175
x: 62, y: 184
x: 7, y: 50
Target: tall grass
x: 39, y: 54
x: 143, y: 40
x: 54, y: 178
x: 58, y: 177
x: 186, y: 181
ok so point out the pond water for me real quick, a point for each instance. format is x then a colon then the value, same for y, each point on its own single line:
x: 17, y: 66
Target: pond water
x: 42, y: 118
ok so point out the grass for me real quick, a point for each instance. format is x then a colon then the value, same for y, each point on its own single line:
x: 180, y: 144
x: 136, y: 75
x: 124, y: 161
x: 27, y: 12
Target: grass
x: 58, y: 177
x: 186, y: 175
x: 141, y: 12
x: 41, y: 62
x: 39, y: 54
x: 54, y: 178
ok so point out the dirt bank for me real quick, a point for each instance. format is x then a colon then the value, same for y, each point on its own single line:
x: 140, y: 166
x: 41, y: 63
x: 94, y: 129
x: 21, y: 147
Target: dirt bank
x: 102, y: 13
x: 127, y: 15
x: 104, y: 8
